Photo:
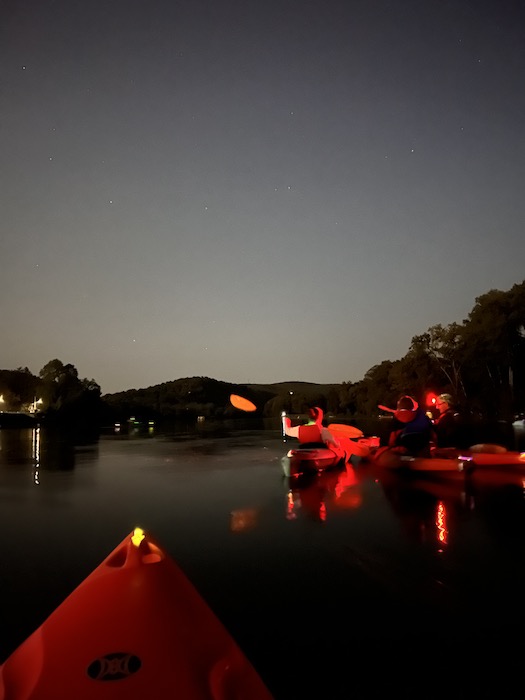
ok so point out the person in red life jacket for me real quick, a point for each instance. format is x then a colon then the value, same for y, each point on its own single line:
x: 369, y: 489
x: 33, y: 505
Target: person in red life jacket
x: 314, y: 435
x: 313, y: 432
x: 412, y: 431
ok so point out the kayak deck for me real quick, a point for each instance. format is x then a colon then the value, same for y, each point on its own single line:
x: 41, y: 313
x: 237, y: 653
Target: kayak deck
x: 134, y: 628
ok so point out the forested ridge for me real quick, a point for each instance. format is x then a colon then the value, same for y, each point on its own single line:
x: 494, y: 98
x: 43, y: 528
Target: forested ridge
x: 480, y: 361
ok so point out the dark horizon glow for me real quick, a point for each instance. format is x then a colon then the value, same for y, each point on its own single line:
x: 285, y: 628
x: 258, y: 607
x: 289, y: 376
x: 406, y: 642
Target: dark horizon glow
x: 253, y: 192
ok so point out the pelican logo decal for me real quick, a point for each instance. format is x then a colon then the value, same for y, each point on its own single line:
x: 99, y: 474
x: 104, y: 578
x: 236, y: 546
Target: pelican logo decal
x: 114, y: 667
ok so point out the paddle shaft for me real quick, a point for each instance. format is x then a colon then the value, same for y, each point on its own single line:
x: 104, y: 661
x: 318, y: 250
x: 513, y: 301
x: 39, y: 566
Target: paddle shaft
x: 283, y: 425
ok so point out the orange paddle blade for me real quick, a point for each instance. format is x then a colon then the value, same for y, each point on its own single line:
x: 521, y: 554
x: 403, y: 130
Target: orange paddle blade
x: 348, y: 431
x: 241, y: 403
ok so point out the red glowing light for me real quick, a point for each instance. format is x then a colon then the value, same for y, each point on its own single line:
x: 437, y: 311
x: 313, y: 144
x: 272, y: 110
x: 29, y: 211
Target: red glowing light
x: 431, y: 399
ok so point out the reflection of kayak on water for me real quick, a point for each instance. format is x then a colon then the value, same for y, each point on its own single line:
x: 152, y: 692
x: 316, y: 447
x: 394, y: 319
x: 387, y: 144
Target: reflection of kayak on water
x: 428, y: 510
x: 313, y: 494
x: 134, y: 628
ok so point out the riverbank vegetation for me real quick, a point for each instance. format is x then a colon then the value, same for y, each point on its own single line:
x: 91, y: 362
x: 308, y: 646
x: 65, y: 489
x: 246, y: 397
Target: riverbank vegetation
x: 480, y: 361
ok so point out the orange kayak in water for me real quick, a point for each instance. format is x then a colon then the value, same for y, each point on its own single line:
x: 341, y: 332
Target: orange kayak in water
x: 316, y: 458
x: 452, y: 460
x: 135, y: 628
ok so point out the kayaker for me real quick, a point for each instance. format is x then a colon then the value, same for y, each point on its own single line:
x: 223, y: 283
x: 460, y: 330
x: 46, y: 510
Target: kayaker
x: 313, y: 431
x: 412, y: 432
x: 448, y: 425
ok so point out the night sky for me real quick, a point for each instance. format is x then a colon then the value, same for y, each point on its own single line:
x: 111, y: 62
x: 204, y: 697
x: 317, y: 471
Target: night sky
x: 253, y: 191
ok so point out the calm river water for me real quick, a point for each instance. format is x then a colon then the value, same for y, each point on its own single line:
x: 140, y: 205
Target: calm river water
x: 353, y: 586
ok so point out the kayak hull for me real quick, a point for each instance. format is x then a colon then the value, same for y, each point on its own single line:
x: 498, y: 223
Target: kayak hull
x: 318, y: 457
x: 303, y: 460
x: 432, y: 465
x: 451, y: 460
x: 134, y: 628
x: 489, y: 456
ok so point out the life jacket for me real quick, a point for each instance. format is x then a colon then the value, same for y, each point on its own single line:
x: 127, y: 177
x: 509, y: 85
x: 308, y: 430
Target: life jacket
x: 447, y: 416
x: 309, y: 433
x: 414, y: 436
x: 449, y: 430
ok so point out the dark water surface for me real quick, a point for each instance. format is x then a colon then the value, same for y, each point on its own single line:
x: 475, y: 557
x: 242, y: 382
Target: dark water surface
x: 355, y: 585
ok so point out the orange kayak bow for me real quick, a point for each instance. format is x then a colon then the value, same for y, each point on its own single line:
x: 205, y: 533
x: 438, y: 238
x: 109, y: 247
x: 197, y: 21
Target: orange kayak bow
x: 134, y: 628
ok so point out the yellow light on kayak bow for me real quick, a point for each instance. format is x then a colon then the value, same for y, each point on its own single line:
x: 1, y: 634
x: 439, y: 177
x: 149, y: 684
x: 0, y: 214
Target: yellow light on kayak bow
x: 138, y: 536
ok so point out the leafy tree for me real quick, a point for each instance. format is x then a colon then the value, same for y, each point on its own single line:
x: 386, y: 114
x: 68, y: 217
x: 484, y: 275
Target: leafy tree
x: 441, y: 348
x: 375, y: 388
x: 495, y: 347
x: 18, y: 388
x: 67, y: 398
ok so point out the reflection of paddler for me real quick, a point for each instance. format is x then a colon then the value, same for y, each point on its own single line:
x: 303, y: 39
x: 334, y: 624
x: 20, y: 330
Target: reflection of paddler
x: 347, y: 490
x: 422, y: 514
x: 314, y: 433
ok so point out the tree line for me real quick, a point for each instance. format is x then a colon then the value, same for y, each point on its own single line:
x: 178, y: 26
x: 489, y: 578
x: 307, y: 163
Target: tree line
x: 480, y: 361
x: 57, y: 393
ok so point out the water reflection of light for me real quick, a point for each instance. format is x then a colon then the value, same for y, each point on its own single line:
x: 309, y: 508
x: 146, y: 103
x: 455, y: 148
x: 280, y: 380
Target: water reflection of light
x: 441, y: 523
x: 243, y: 519
x: 290, y: 507
x: 35, y: 452
x: 322, y: 511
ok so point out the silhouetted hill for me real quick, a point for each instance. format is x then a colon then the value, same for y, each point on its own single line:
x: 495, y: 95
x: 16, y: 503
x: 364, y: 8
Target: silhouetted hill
x: 191, y: 396
x: 296, y: 387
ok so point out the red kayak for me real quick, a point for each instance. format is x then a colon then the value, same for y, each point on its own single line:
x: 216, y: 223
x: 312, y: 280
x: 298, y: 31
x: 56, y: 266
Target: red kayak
x: 485, y: 454
x: 451, y: 460
x: 309, y: 458
x: 318, y: 457
x: 135, y: 628
x: 386, y: 458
